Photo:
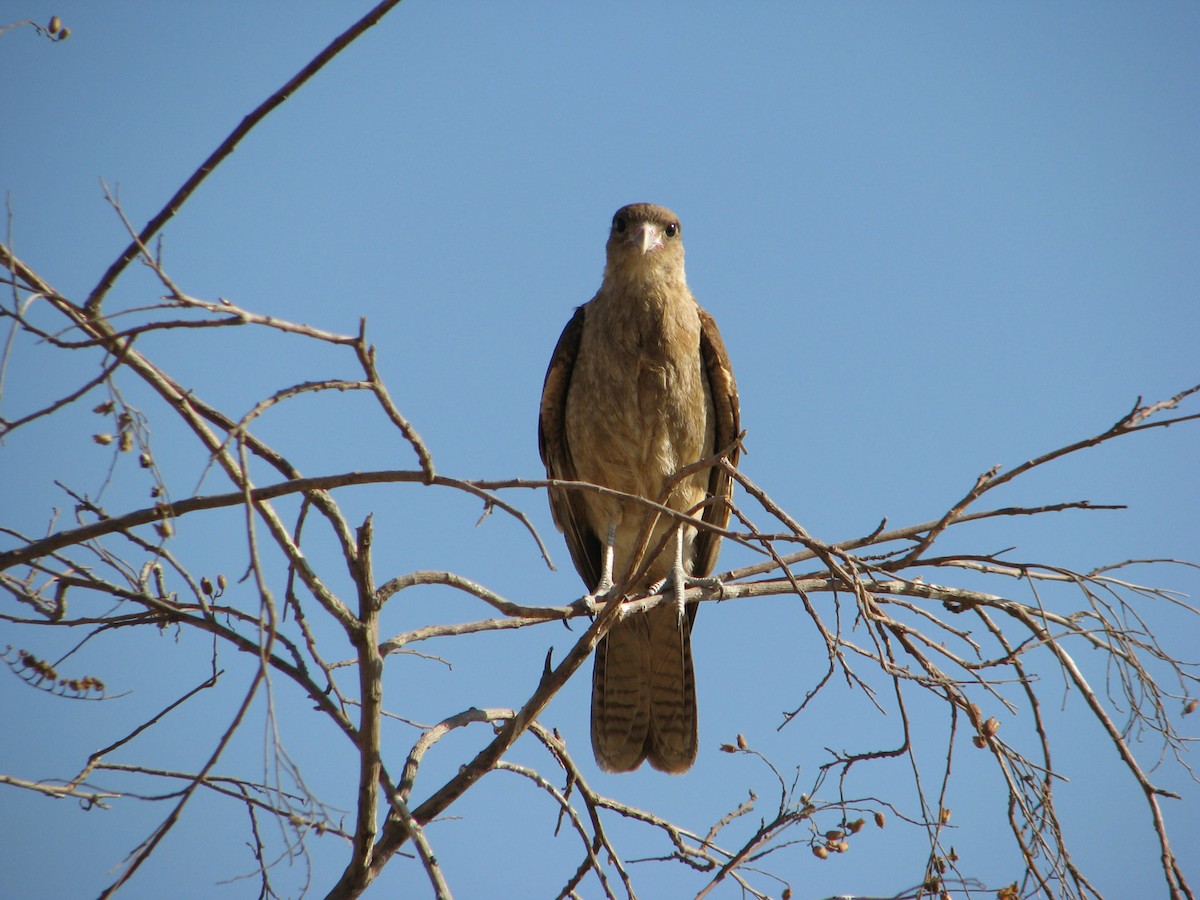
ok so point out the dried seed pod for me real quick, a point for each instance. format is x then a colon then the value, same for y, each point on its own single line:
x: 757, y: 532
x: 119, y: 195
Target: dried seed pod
x: 55, y: 25
x: 944, y: 815
x: 880, y: 820
x: 856, y: 826
x: 741, y: 742
x: 103, y: 439
x: 820, y: 852
x: 979, y: 741
x: 990, y: 727
x: 834, y: 835
x: 1190, y: 706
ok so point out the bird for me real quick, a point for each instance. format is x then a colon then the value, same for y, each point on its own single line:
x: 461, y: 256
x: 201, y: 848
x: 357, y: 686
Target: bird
x: 639, y: 387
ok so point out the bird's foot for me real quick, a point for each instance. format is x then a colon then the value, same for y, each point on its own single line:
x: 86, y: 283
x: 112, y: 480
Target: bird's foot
x: 711, y: 583
x: 591, y: 603
x: 679, y: 581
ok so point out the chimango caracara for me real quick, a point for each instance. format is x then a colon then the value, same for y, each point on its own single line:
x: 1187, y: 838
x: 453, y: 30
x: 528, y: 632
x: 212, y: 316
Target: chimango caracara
x: 638, y: 388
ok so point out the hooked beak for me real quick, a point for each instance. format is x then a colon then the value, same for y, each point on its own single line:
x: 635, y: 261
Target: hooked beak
x: 646, y: 236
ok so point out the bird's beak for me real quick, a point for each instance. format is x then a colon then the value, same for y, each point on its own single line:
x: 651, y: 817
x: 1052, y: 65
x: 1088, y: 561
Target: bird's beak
x: 647, y: 237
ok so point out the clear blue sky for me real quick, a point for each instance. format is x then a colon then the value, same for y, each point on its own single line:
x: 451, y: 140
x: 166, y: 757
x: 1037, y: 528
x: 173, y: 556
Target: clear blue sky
x: 936, y: 237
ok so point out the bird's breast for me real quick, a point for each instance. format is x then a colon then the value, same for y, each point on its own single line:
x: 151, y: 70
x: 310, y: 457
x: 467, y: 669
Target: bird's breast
x: 638, y: 401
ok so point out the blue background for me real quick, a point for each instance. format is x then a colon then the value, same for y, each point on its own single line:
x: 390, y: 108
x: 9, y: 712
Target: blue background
x: 936, y: 237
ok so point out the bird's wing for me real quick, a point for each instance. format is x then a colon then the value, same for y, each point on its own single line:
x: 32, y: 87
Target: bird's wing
x: 567, y: 506
x: 726, y: 421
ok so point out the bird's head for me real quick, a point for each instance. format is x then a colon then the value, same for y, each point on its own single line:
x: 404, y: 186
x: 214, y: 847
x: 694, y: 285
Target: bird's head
x: 645, y: 245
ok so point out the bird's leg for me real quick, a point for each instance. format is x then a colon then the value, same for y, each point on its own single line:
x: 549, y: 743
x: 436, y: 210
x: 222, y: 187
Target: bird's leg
x: 589, y: 600
x: 678, y: 577
x: 680, y: 580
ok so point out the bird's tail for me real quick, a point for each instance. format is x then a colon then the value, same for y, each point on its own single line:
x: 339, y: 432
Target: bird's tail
x: 644, y: 694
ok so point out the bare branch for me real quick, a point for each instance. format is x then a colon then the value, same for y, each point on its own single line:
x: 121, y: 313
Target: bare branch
x: 96, y: 298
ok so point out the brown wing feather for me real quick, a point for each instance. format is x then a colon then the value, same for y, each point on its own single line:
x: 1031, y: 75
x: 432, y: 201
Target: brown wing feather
x: 726, y: 427
x: 566, y: 506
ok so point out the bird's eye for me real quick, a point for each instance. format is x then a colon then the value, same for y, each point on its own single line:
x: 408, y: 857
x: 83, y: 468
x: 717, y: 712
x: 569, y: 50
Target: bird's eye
x: 672, y: 229
x: 619, y: 224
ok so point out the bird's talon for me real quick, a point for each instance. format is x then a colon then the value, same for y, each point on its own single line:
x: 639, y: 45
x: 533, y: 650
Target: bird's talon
x: 587, y: 605
x: 591, y: 604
